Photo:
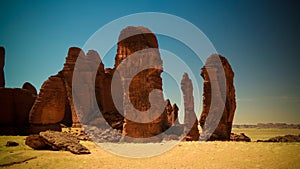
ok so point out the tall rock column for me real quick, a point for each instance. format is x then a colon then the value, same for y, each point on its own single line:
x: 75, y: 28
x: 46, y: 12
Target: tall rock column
x: 224, y: 94
x: 190, y: 120
x: 2, y: 62
x: 54, y: 104
x: 132, y: 54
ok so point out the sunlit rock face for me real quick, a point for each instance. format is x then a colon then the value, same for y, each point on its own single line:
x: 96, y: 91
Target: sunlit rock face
x: 218, y: 84
x: 190, y: 120
x: 138, y: 48
x: 54, y: 104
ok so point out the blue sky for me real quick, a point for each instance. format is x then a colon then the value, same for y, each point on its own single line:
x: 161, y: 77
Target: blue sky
x: 259, y: 38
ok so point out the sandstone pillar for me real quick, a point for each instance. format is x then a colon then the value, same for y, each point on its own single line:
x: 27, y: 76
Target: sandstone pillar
x: 218, y: 85
x: 190, y: 120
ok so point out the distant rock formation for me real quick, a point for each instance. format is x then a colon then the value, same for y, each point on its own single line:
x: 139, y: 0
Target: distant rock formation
x: 268, y: 125
x: 172, y: 114
x: 190, y: 120
x: 212, y: 75
x: 286, y: 138
x: 2, y: 62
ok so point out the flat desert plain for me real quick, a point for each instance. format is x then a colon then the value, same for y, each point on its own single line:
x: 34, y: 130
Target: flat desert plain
x: 209, y: 155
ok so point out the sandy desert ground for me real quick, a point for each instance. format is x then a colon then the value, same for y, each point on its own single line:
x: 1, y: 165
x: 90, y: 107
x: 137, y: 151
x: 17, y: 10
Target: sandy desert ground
x: 183, y: 155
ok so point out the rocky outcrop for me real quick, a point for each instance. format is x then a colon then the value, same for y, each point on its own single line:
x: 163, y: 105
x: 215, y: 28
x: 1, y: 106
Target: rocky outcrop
x: 37, y: 142
x: 138, y: 48
x: 239, y: 137
x: 54, y: 104
x: 15, y: 106
x: 51, y: 103
x: 190, y: 120
x: 286, y: 138
x: 172, y: 114
x: 53, y: 140
x: 2, y: 62
x: 218, y: 96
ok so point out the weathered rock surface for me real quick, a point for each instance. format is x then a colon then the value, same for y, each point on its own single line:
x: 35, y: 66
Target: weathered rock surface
x: 15, y: 106
x: 172, y: 114
x: 54, y: 103
x: 54, y: 140
x: 190, y: 120
x: 105, y: 100
x: 133, y: 46
x: 49, y: 107
x: 239, y: 137
x: 37, y: 142
x: 218, y: 91
x: 101, y: 135
x: 286, y: 138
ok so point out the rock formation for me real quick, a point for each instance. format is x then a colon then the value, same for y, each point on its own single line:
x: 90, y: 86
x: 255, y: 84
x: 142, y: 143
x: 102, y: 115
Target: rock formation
x: 129, y: 96
x: 190, y: 120
x: 218, y: 90
x: 2, y: 62
x: 15, y: 104
x: 104, y: 98
x: 53, y: 140
x: 28, y: 86
x: 286, y: 138
x: 172, y: 114
x: 138, y: 48
x: 54, y: 103
x: 239, y: 137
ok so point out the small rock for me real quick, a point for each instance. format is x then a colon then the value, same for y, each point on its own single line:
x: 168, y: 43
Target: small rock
x: 11, y: 144
x: 239, y: 137
x: 37, y: 142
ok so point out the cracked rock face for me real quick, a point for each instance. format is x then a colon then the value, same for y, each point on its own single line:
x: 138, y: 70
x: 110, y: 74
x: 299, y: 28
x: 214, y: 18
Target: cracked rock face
x: 224, y: 94
x: 54, y: 103
x: 133, y: 54
x: 53, y: 140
